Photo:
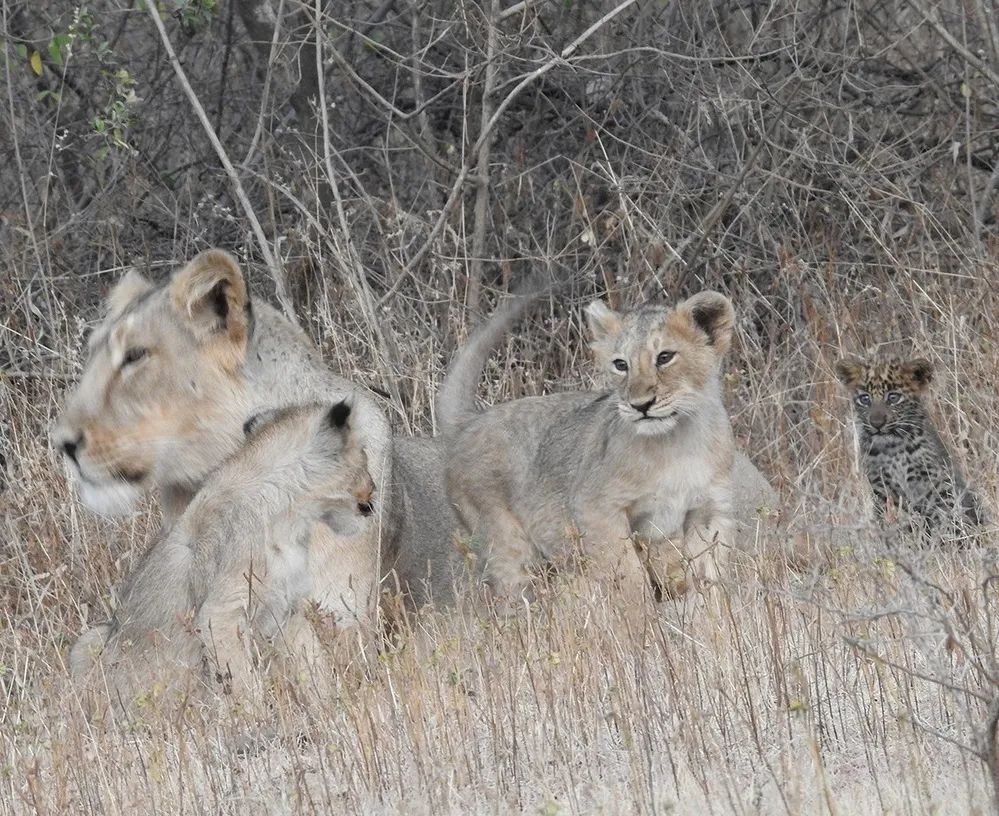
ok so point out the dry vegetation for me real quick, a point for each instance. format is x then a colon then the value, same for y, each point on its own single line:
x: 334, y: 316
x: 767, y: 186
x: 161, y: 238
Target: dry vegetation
x: 832, y: 167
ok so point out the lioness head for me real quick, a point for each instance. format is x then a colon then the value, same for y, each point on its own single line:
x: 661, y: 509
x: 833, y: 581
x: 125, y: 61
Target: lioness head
x: 316, y: 458
x: 664, y: 360
x: 160, y: 401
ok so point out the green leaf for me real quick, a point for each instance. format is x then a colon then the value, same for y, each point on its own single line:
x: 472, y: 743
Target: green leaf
x: 55, y: 53
x: 22, y: 50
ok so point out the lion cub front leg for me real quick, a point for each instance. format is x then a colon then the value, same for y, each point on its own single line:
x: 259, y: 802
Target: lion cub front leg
x: 708, y: 539
x: 223, y: 624
x: 685, y: 551
x: 609, y: 551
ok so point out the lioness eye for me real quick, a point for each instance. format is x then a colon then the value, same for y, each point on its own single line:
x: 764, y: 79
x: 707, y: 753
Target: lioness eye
x: 893, y: 398
x: 665, y: 357
x: 619, y: 364
x: 133, y: 355
x: 863, y: 398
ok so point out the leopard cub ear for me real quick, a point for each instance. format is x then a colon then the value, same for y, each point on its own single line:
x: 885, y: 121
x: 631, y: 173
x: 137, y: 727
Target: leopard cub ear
x: 919, y: 372
x: 850, y: 371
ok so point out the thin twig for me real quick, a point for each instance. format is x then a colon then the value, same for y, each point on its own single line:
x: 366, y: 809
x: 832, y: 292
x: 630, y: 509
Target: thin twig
x: 719, y: 209
x: 474, y: 288
x: 276, y: 272
x: 954, y: 43
x: 485, y: 133
x: 354, y: 268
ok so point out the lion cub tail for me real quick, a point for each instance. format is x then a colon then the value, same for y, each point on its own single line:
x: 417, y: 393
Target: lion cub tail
x: 455, y: 401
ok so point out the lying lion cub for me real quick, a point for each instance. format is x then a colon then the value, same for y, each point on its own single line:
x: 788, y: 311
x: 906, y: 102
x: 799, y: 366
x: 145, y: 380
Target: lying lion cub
x: 220, y: 588
x: 651, y: 458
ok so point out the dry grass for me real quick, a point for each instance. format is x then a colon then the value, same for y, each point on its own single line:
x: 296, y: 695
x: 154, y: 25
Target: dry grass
x: 827, y: 685
x: 831, y: 167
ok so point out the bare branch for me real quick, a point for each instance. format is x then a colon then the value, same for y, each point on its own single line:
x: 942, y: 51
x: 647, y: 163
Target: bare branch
x: 276, y: 272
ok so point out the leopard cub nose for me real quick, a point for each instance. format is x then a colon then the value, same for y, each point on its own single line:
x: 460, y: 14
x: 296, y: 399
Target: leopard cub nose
x: 643, y: 407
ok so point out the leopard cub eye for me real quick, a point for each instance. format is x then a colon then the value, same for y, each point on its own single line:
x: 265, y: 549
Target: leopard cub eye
x: 665, y: 358
x: 864, y: 399
x: 893, y: 397
x: 619, y: 365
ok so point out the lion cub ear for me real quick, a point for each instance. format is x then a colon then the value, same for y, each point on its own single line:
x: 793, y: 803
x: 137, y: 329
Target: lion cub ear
x: 850, y: 371
x: 126, y: 291
x: 714, y: 315
x: 210, y: 295
x: 919, y: 372
x: 339, y: 416
x: 603, y: 321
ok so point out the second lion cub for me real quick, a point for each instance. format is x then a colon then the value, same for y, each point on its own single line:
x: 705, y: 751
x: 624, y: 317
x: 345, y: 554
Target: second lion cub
x: 225, y: 583
x: 649, y: 458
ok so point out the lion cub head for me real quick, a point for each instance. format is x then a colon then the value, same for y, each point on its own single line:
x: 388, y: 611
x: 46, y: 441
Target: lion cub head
x: 664, y: 360
x: 160, y: 398
x: 311, y: 454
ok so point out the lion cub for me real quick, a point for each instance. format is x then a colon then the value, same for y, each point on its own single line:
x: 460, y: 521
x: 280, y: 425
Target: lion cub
x: 649, y: 458
x: 227, y: 579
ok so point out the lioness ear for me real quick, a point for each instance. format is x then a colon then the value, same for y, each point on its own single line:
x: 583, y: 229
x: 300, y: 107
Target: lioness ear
x: 210, y: 294
x: 714, y: 315
x: 850, y: 370
x: 920, y: 371
x: 126, y: 291
x: 603, y: 321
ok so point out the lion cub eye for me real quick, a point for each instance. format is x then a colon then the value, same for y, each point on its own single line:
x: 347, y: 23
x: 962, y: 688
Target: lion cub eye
x: 619, y: 365
x: 893, y: 397
x: 665, y: 358
x: 133, y: 355
x: 863, y: 398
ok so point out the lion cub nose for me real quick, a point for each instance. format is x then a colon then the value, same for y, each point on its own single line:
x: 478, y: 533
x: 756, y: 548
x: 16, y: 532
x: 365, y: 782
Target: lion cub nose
x: 643, y: 407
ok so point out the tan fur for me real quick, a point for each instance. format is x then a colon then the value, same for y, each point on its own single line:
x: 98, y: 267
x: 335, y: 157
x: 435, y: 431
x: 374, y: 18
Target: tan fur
x: 228, y: 583
x: 645, y: 462
x: 173, y: 373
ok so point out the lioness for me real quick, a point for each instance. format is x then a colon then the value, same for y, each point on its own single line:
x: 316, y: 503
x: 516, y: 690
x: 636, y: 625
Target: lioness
x: 650, y: 458
x: 173, y: 373
x: 222, y: 585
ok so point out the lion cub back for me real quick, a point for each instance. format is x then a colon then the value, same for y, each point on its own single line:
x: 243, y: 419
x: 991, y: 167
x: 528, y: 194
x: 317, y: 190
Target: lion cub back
x: 237, y: 565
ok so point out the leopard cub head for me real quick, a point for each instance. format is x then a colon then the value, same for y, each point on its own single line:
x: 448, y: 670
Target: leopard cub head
x: 887, y: 393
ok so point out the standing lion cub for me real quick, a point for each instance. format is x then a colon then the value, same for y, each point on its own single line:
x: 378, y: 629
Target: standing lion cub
x: 225, y: 584
x: 645, y: 463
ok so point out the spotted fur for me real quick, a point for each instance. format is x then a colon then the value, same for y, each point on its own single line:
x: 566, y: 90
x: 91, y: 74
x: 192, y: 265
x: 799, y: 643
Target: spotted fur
x: 907, y: 464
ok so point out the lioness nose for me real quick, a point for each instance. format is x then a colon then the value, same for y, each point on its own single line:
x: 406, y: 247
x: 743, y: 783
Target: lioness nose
x: 71, y: 446
x: 643, y: 407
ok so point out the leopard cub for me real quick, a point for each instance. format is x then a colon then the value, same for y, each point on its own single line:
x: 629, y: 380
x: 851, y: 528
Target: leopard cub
x: 907, y: 464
